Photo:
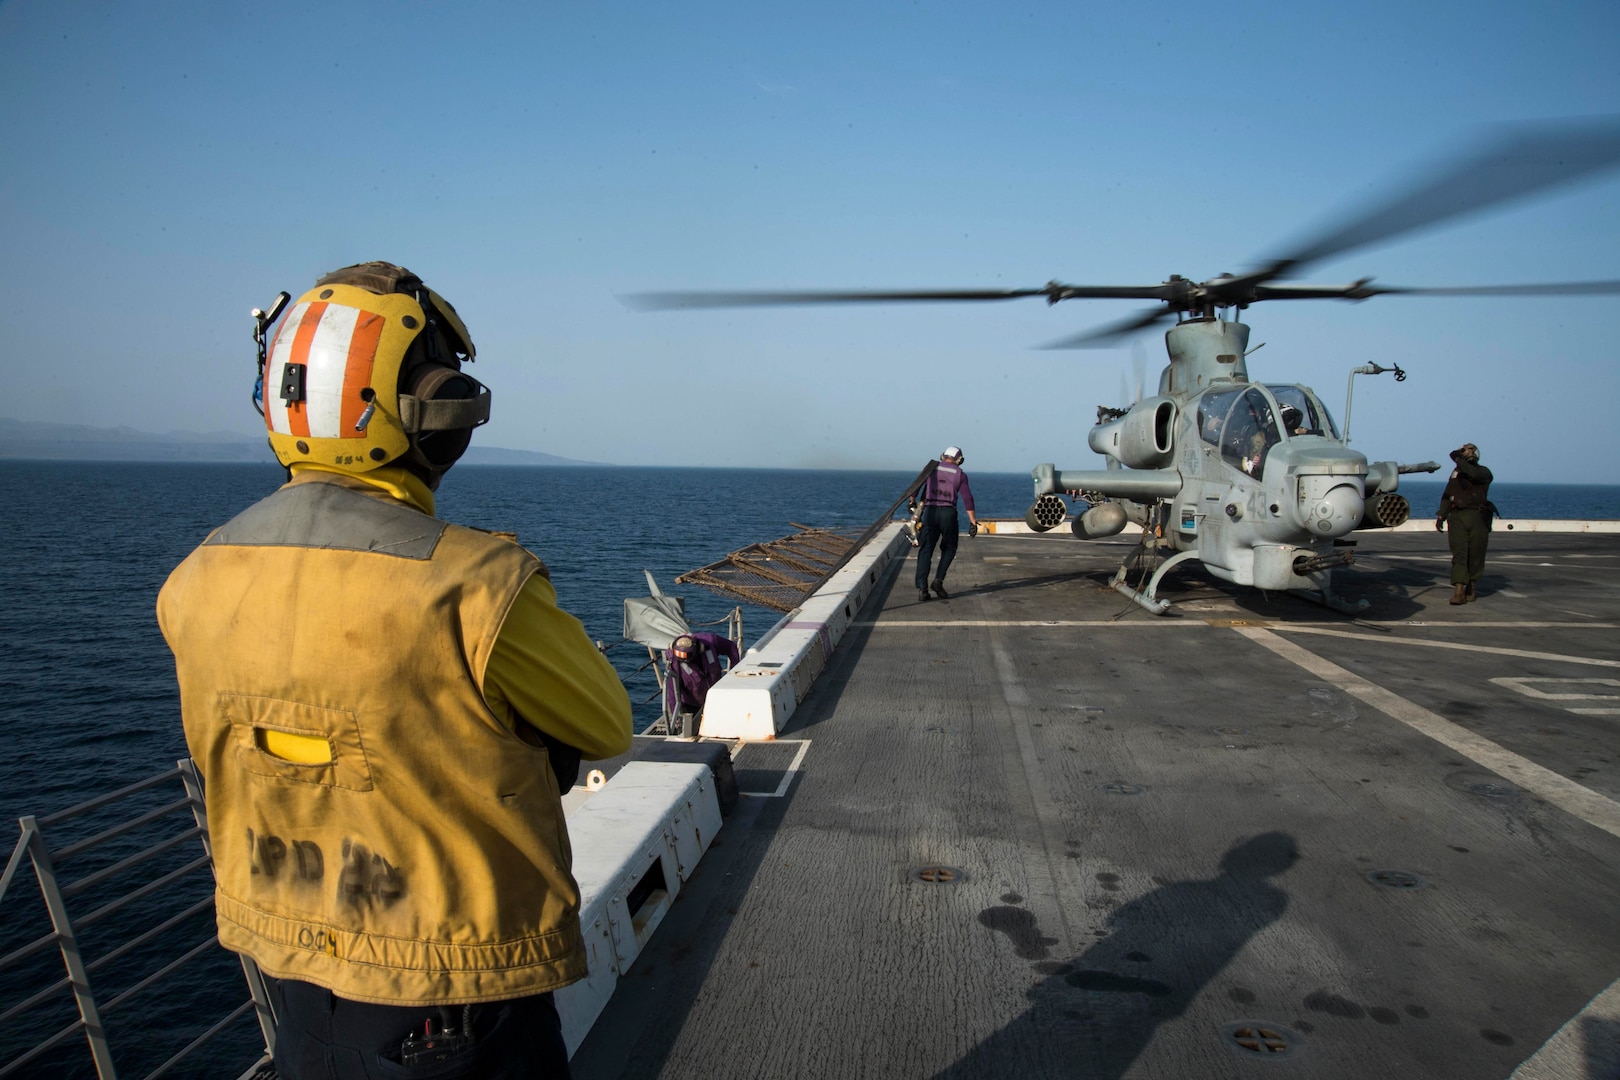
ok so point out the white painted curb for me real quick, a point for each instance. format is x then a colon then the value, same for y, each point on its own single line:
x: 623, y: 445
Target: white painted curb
x: 1549, y: 525
x: 755, y: 698
x: 634, y: 841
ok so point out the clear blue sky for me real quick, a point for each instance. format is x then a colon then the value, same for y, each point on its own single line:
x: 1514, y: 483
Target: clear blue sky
x: 168, y: 166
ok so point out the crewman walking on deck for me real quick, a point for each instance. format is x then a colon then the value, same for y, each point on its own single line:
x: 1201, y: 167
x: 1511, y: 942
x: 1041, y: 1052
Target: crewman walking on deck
x: 1466, y: 514
x: 938, y: 496
x: 385, y: 708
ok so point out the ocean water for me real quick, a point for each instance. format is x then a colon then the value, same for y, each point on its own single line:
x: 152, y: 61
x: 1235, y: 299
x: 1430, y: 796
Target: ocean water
x: 87, y: 695
x: 1580, y: 502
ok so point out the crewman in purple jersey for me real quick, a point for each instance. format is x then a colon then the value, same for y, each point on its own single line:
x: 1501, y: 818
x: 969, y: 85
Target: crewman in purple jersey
x: 938, y: 495
x: 693, y: 663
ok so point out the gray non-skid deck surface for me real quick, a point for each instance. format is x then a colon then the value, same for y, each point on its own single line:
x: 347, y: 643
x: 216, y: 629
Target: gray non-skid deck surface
x: 1164, y: 827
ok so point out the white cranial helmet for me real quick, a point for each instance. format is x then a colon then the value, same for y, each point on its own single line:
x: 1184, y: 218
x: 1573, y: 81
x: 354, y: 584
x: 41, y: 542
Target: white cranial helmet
x: 952, y: 452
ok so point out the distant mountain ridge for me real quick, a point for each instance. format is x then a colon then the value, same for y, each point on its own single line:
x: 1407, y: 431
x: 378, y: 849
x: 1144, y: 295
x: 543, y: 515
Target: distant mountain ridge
x: 41, y: 441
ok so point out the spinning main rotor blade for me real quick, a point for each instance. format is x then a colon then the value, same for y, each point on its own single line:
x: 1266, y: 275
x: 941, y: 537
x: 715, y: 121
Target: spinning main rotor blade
x: 1566, y: 288
x: 1362, y: 290
x: 1516, y: 164
x: 1052, y: 290
x: 1513, y: 165
x: 658, y: 301
x: 1109, y: 335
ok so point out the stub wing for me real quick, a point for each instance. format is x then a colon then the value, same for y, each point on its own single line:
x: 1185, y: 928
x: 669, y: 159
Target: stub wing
x: 1141, y: 485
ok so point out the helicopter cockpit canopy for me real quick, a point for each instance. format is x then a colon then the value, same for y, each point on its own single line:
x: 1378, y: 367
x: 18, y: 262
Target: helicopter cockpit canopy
x: 1241, y: 422
x: 1314, y: 417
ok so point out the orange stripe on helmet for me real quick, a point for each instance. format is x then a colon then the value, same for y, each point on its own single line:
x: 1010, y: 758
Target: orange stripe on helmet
x: 357, y: 370
x: 297, y: 414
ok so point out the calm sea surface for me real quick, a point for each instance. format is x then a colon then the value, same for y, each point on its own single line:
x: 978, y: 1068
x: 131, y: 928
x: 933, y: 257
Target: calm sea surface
x: 87, y: 695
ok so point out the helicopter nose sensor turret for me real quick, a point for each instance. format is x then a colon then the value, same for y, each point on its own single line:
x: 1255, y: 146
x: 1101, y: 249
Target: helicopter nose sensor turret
x: 1334, y: 513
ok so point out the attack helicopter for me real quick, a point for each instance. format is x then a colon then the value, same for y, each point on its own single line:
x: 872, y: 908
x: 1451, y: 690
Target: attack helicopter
x: 1253, y: 479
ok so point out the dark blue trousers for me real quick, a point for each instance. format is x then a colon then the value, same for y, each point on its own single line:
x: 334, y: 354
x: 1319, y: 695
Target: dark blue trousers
x: 938, y: 527
x: 320, y: 1035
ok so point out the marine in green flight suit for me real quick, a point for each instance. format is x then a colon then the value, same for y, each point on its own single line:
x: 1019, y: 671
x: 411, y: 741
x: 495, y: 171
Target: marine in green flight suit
x: 1466, y: 514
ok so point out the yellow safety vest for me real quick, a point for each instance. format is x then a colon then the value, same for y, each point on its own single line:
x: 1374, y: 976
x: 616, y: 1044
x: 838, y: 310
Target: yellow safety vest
x: 427, y: 859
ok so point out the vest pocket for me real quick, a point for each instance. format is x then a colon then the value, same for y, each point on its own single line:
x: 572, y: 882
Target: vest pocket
x: 256, y: 722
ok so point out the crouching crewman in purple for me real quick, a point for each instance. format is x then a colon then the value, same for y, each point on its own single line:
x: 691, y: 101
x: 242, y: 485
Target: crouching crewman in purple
x: 939, y: 494
x: 693, y: 665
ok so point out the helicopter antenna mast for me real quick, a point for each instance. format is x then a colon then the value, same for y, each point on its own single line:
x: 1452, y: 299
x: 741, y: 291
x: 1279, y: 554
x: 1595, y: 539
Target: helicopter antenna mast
x: 1350, y: 389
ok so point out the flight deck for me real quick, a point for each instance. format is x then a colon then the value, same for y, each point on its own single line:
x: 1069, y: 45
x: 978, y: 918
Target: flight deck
x: 1035, y: 831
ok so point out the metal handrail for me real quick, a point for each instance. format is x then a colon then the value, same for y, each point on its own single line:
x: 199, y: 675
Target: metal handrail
x: 133, y: 861
x: 39, y: 944
x: 147, y: 818
x: 144, y: 891
x: 112, y: 796
x: 186, y: 1050
x: 48, y: 1045
x: 157, y: 931
x: 66, y: 928
x: 156, y: 976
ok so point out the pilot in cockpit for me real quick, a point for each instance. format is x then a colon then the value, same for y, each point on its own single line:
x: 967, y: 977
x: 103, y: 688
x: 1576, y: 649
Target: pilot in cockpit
x: 1293, y: 420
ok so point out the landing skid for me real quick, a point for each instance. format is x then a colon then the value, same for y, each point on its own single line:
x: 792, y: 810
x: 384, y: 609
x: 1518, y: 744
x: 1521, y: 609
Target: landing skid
x: 1147, y: 598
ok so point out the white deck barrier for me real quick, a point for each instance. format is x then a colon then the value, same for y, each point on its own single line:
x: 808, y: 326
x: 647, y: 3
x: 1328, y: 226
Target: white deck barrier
x: 635, y: 841
x: 755, y: 698
x: 1417, y: 523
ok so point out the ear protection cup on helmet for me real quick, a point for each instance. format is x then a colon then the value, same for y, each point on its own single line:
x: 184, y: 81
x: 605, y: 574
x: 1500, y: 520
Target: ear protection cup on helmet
x: 438, y: 449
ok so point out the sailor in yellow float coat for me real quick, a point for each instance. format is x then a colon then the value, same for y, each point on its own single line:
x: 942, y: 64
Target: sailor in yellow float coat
x: 384, y: 707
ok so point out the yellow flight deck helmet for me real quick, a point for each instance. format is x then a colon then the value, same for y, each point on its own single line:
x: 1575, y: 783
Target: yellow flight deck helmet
x: 366, y: 371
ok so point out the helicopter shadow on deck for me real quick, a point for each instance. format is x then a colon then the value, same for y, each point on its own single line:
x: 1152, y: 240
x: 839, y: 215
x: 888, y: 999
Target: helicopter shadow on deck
x: 1020, y: 584
x: 1095, y: 1013
x: 1398, y: 590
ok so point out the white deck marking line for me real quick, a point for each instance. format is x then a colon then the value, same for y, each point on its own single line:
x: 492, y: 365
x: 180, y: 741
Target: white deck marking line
x: 1562, y: 792
x: 1516, y: 560
x: 1579, y: 1048
x: 934, y: 624
x: 1495, y: 650
x: 1487, y: 624
x: 787, y: 774
x: 1522, y: 685
x: 1407, y: 558
x: 1045, y: 873
x: 1190, y: 624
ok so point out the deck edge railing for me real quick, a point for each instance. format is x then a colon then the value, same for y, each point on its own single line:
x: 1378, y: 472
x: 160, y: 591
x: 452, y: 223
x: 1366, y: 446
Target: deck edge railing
x: 66, y: 928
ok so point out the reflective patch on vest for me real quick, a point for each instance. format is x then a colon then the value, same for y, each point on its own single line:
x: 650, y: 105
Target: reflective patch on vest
x: 250, y: 716
x: 330, y: 517
x: 335, y: 346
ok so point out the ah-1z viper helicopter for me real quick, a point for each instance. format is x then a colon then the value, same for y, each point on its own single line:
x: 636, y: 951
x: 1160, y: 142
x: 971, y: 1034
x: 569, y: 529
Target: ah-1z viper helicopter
x: 1254, y: 480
